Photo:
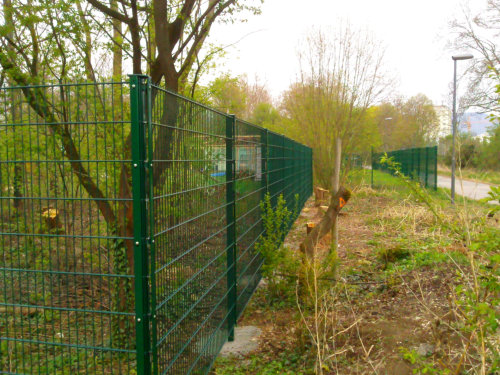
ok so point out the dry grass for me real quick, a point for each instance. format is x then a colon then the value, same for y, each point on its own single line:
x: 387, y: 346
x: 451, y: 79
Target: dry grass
x: 378, y: 315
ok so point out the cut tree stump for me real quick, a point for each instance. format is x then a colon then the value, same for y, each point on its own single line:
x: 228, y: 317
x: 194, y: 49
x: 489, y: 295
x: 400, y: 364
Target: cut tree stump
x: 309, y: 227
x: 320, y: 196
x: 338, y: 201
x: 51, y: 219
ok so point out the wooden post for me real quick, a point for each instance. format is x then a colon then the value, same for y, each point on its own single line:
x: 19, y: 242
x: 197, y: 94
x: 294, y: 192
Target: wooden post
x: 335, y: 188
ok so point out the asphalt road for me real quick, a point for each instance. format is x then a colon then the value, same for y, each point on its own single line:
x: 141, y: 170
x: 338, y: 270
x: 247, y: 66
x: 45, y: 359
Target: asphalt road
x: 470, y: 189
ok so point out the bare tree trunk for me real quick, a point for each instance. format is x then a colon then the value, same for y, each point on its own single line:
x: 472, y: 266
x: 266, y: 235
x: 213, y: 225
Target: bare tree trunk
x: 335, y: 187
x: 87, y: 49
x: 117, y: 45
x: 18, y: 168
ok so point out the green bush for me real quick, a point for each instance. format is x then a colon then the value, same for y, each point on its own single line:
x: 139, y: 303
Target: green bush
x: 280, y: 263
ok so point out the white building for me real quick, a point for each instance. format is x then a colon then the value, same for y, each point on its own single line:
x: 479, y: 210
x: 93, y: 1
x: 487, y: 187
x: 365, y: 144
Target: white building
x: 443, y: 114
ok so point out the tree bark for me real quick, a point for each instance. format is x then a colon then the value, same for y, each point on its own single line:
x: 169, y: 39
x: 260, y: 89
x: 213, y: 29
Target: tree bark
x: 325, y: 225
x: 18, y: 168
x: 335, y: 187
x: 117, y: 45
x: 87, y: 49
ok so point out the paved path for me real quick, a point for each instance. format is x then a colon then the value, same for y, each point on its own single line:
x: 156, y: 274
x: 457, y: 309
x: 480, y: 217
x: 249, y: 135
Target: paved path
x: 470, y: 189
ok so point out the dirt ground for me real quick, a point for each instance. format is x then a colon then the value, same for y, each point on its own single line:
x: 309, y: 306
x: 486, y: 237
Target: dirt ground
x: 380, y: 314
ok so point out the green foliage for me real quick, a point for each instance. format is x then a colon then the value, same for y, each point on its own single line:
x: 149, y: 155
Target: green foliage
x: 390, y: 255
x: 467, y: 150
x: 483, y: 155
x: 421, y: 364
x: 405, y: 123
x: 494, y: 195
x: 266, y: 115
x: 280, y: 264
x: 228, y: 95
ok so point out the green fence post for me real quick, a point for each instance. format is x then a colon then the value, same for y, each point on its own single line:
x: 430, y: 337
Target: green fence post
x: 231, y: 224
x: 265, y: 161
x: 426, y: 166
x: 373, y: 166
x: 283, y: 166
x: 138, y: 95
x: 419, y: 161
x: 412, y: 165
x: 309, y: 166
x: 435, y: 167
x: 151, y: 231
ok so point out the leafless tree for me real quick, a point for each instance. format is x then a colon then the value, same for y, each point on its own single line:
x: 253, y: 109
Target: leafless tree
x: 341, y: 75
x: 480, y: 34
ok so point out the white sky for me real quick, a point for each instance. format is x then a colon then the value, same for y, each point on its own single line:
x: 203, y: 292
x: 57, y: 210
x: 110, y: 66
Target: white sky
x: 415, y: 33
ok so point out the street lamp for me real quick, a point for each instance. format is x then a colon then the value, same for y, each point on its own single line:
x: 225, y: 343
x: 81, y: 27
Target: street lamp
x: 454, y: 121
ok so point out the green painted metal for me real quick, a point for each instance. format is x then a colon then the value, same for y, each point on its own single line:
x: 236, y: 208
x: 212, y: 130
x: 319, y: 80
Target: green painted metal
x: 151, y: 233
x: 139, y: 124
x: 231, y: 224
x: 371, y: 171
x: 420, y: 164
x: 128, y: 222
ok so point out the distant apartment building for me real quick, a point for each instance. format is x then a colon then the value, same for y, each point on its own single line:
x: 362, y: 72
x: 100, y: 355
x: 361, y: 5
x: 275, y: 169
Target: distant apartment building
x: 443, y: 114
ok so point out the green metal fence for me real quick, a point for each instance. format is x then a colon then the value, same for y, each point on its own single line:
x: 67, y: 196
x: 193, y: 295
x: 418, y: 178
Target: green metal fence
x: 128, y: 222
x: 420, y: 164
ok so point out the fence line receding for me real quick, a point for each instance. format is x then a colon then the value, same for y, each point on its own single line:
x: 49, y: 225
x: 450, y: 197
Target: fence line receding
x: 128, y: 222
x: 420, y: 164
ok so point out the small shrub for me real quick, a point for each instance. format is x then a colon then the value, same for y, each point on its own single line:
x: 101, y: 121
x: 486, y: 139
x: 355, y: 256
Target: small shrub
x: 280, y: 264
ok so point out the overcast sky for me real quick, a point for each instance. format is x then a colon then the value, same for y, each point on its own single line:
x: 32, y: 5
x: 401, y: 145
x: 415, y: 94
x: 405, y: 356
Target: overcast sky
x: 414, y: 32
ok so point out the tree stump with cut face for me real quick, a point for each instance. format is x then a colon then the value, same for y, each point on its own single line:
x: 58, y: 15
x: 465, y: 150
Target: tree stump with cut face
x: 320, y: 196
x: 51, y: 219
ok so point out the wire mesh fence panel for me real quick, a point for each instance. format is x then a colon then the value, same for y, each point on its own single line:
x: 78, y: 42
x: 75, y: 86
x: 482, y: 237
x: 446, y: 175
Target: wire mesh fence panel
x: 420, y: 164
x: 432, y: 162
x: 66, y: 303
x: 190, y: 226
x: 250, y: 188
x: 129, y: 217
x: 275, y: 162
x: 352, y: 162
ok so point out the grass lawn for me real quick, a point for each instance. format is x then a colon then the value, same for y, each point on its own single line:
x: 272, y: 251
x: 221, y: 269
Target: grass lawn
x: 391, y: 308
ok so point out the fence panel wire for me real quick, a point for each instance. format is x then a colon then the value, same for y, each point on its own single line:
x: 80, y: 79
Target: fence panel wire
x: 420, y: 164
x: 190, y: 231
x: 250, y: 188
x: 129, y: 217
x: 65, y: 303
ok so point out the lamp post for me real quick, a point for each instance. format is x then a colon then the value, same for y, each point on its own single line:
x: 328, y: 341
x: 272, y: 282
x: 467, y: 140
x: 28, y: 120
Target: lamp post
x: 454, y: 121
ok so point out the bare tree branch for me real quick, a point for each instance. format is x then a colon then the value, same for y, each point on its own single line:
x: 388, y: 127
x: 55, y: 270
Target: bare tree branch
x: 110, y: 12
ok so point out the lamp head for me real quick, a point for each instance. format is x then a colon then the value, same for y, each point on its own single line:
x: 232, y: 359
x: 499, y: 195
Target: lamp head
x: 462, y: 57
